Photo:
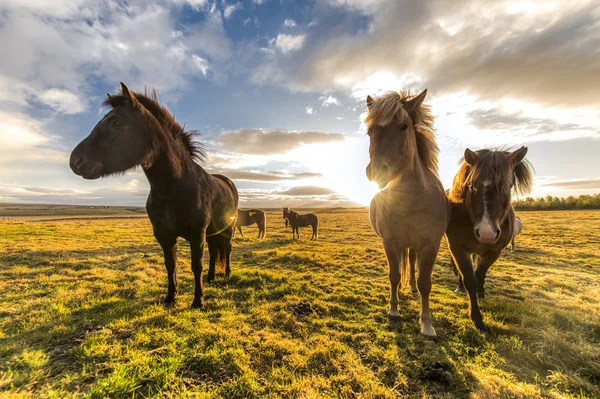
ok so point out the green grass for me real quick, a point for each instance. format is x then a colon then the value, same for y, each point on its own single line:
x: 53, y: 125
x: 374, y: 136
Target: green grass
x: 80, y: 316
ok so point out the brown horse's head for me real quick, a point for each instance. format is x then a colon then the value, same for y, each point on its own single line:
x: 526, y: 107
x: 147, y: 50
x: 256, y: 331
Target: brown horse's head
x: 131, y: 134
x: 400, y: 129
x: 484, y: 184
x: 286, y: 213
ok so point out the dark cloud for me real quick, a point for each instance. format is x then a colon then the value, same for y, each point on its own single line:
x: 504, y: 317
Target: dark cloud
x: 236, y: 174
x: 272, y: 141
x: 306, y: 191
x: 541, y: 54
x: 576, y: 184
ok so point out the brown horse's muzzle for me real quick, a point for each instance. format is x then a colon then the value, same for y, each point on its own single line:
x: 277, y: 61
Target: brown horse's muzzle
x: 380, y: 175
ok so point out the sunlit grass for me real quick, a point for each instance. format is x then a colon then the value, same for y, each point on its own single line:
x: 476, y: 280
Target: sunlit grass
x: 80, y: 316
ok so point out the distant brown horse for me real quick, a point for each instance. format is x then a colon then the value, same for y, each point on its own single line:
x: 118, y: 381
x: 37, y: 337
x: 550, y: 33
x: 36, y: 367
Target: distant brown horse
x: 297, y: 220
x: 184, y: 200
x: 483, y: 220
x: 412, y: 212
x: 250, y: 217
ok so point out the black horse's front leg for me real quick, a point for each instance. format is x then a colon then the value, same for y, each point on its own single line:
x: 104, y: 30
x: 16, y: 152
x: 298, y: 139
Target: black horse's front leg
x: 169, y: 247
x: 197, y: 249
x: 483, y: 263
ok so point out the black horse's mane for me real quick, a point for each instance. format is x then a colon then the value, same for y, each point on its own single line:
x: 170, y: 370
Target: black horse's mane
x: 166, y: 120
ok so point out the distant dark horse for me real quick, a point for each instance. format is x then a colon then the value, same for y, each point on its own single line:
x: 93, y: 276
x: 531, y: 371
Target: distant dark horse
x: 297, y: 220
x: 250, y: 217
x: 184, y: 200
x: 482, y: 221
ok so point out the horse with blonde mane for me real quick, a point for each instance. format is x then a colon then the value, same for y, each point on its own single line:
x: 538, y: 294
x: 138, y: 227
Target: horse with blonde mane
x: 482, y: 220
x: 412, y: 212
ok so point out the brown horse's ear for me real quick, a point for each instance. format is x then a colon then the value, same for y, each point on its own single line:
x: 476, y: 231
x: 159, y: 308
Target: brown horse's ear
x: 415, y: 102
x: 471, y: 157
x: 518, y: 155
x: 370, y: 102
x: 129, y: 95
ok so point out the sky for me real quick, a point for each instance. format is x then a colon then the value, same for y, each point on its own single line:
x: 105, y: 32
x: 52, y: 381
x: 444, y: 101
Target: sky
x: 277, y: 88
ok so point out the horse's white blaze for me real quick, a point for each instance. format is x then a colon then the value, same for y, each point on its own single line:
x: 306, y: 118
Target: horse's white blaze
x: 487, y: 232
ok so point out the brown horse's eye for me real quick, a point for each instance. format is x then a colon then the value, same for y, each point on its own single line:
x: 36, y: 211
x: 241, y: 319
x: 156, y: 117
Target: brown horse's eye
x: 118, y: 124
x: 403, y: 127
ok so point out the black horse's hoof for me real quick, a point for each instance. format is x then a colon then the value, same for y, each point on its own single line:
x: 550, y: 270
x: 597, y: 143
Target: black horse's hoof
x: 169, y: 302
x: 481, y: 294
x: 210, y: 277
x: 484, y: 329
x: 197, y: 304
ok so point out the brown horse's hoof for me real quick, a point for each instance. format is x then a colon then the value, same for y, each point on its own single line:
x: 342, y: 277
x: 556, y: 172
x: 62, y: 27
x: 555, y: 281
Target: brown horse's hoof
x: 197, y: 304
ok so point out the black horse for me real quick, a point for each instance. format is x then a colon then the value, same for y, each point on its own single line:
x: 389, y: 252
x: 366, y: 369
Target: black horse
x: 297, y: 220
x: 250, y: 217
x: 184, y: 201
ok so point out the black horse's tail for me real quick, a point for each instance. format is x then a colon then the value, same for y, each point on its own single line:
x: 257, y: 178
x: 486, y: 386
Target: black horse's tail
x: 219, y: 246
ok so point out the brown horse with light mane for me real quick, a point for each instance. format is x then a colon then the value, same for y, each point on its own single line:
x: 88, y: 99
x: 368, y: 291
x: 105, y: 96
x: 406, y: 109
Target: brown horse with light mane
x: 483, y: 221
x: 250, y: 217
x: 412, y: 212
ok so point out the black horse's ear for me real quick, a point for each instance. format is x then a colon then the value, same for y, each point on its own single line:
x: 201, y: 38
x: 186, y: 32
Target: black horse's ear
x: 370, y: 102
x: 108, y: 95
x: 471, y: 157
x: 518, y: 155
x: 415, y: 102
x: 128, y: 94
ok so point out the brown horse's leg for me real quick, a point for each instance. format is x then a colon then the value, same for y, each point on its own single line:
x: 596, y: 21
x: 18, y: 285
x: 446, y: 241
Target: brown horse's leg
x: 197, y: 249
x: 169, y: 247
x: 241, y: 232
x: 483, y: 264
x: 412, y: 258
x: 426, y: 261
x: 394, y: 257
x: 297, y: 233
x: 512, y: 245
x: 465, y: 266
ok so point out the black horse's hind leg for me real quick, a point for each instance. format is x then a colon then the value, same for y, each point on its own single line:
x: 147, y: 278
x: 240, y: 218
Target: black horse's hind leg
x: 228, y: 249
x: 465, y: 265
x: 169, y: 247
x: 197, y: 249
x: 483, y: 264
x: 212, y: 254
x: 240, y: 229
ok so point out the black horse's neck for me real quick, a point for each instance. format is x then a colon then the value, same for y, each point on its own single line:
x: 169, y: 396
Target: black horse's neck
x: 170, y: 166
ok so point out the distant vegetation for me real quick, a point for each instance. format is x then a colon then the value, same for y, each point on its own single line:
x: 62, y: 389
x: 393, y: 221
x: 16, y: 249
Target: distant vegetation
x: 550, y: 203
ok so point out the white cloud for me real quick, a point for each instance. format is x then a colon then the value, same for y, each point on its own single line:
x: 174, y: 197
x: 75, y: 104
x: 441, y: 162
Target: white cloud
x: 289, y: 23
x: 326, y: 101
x: 309, y: 110
x: 200, y: 63
x: 231, y: 9
x: 289, y: 43
x: 63, y: 101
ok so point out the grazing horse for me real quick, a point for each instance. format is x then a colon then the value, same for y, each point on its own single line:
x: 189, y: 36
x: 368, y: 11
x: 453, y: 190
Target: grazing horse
x: 483, y: 221
x: 184, y: 201
x: 411, y: 214
x: 297, y: 220
x: 518, y: 230
x: 250, y: 217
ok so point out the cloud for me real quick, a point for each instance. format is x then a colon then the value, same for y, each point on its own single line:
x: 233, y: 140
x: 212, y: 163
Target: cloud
x: 272, y: 141
x: 236, y: 174
x: 545, y: 53
x: 589, y: 184
x: 289, y: 23
x: 231, y: 9
x: 309, y: 110
x: 326, y: 101
x: 289, y: 43
x: 63, y: 101
x: 306, y: 191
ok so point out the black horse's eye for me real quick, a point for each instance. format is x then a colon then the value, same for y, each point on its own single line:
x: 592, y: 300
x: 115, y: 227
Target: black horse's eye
x: 117, y: 123
x: 471, y: 187
x: 403, y: 127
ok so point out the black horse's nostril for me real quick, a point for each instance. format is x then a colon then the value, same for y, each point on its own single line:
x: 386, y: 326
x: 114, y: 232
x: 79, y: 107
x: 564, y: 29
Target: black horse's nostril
x: 77, y: 162
x: 498, y: 234
x: 477, y: 233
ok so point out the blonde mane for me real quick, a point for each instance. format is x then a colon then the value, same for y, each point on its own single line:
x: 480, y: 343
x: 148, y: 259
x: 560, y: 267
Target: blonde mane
x: 495, y: 166
x: 390, y: 108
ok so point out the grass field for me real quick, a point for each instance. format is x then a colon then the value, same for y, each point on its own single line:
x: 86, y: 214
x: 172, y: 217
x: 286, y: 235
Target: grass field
x: 80, y: 316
